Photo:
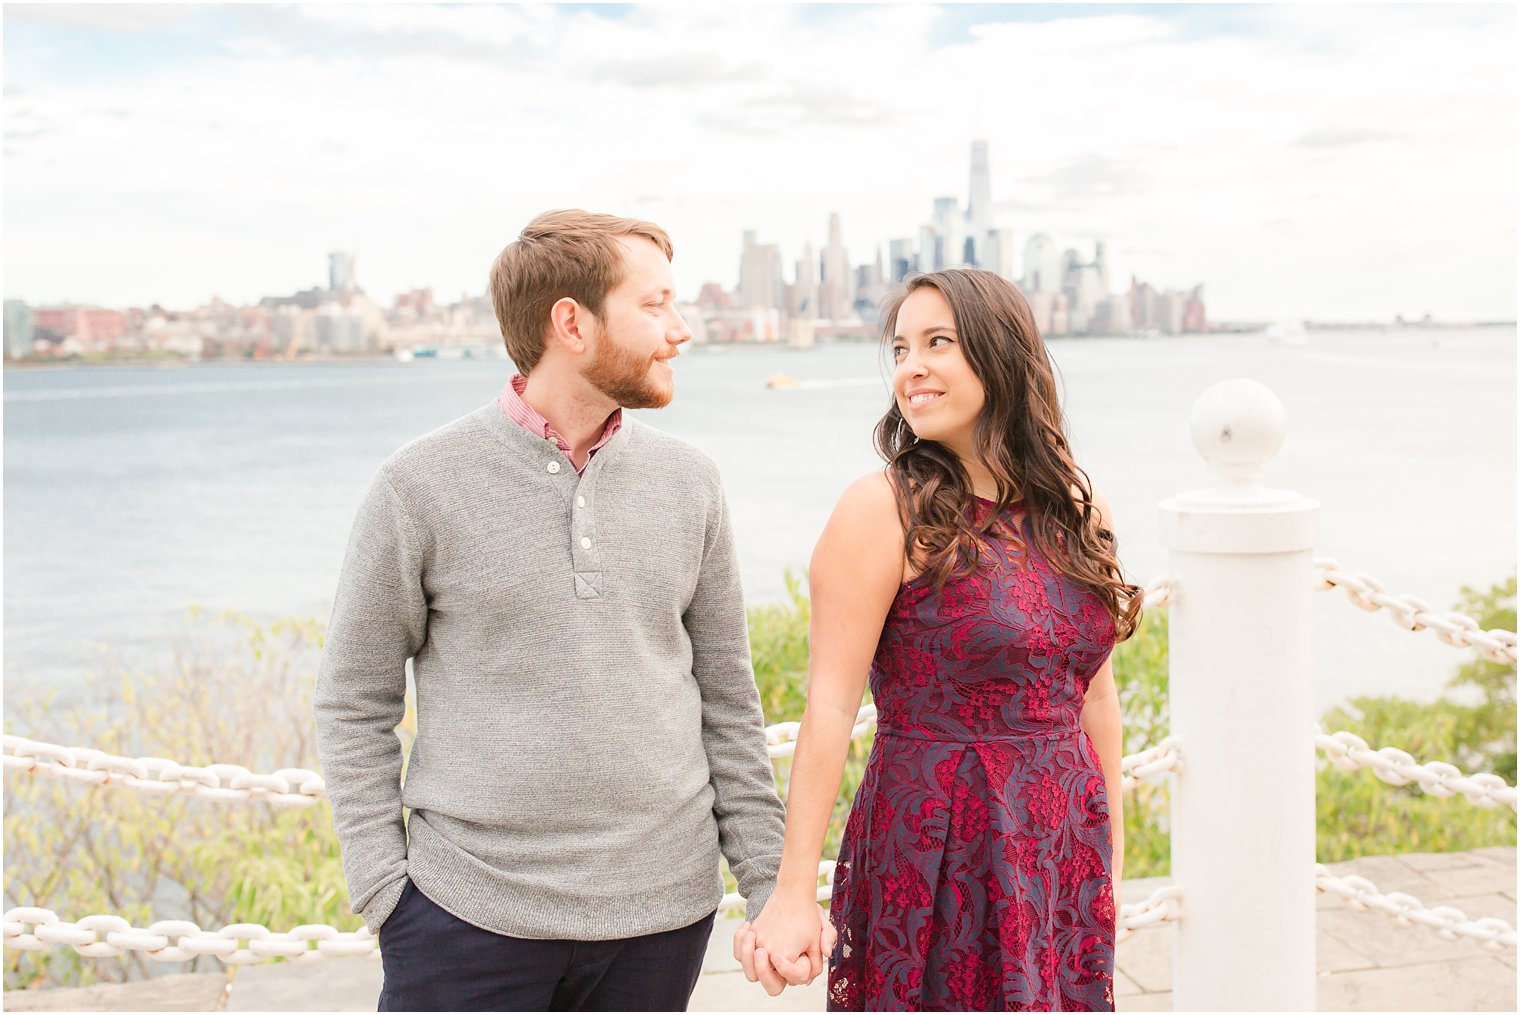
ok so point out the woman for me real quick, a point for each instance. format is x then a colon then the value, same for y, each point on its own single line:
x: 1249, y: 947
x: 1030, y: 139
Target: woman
x: 975, y: 580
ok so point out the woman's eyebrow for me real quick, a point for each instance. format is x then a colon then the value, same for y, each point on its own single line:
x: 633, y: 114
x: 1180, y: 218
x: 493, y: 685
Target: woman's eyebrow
x: 930, y: 329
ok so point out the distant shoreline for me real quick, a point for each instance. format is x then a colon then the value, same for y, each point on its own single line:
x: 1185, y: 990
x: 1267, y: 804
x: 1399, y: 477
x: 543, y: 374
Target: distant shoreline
x: 170, y: 361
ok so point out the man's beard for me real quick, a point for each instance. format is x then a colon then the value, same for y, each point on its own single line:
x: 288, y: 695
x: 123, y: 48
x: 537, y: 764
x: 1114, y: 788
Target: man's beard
x: 623, y: 376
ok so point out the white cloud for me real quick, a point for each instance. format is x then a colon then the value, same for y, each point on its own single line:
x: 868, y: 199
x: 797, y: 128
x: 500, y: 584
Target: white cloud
x: 1349, y: 162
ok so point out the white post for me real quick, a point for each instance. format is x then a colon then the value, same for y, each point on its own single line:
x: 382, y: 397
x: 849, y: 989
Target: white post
x: 1241, y: 570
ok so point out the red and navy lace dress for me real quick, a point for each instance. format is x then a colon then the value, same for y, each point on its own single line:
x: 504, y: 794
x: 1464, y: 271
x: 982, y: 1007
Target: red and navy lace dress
x: 975, y: 871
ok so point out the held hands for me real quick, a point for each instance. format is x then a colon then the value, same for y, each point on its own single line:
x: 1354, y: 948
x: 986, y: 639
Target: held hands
x: 787, y: 945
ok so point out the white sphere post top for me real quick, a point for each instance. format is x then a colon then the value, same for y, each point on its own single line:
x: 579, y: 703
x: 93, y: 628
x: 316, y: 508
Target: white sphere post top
x: 1238, y: 427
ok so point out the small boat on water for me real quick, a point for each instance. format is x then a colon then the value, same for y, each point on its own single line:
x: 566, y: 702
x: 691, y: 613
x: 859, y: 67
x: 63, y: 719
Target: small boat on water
x: 1288, y: 333
x: 780, y: 381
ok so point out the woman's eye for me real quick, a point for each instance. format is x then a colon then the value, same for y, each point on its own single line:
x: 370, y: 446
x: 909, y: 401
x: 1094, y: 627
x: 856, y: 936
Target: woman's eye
x: 938, y: 338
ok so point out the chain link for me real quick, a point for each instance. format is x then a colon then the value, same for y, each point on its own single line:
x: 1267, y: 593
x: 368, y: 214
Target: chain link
x: 101, y: 936
x: 1349, y: 752
x: 108, y: 937
x: 1158, y: 592
x: 1151, y: 763
x: 1414, y: 614
x: 289, y: 787
x: 1449, y: 923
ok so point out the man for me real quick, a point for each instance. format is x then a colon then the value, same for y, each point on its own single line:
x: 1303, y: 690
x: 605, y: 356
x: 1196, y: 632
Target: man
x: 562, y: 579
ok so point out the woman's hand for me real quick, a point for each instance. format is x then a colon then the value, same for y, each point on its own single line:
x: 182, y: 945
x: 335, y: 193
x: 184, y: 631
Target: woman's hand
x: 793, y: 936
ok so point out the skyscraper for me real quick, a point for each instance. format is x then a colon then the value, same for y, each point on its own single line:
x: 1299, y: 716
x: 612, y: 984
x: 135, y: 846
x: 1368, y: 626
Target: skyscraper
x: 1042, y: 265
x: 340, y: 271
x: 949, y: 224
x: 997, y: 254
x: 760, y: 274
x: 807, y: 281
x: 836, y: 292
x: 979, y: 204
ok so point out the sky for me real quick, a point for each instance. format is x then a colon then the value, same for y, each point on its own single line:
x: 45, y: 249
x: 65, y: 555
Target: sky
x: 1321, y: 161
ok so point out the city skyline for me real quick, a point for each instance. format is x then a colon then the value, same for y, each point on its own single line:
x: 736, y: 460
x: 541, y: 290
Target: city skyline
x: 1284, y: 156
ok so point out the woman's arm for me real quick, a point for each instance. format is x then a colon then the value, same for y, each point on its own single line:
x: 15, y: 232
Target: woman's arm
x: 856, y: 571
x: 1105, y: 727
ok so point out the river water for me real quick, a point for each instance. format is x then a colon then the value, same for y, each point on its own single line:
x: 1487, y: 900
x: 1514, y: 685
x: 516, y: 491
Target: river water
x: 132, y: 493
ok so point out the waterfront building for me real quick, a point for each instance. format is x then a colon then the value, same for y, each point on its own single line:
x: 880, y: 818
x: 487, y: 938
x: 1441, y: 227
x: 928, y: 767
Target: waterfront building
x: 1042, y: 265
x: 1041, y: 304
x: 947, y: 220
x: 928, y: 248
x: 18, y: 329
x: 1060, y: 314
x: 1112, y: 316
x: 998, y: 257
x: 901, y: 259
x: 760, y: 282
x: 1194, y: 316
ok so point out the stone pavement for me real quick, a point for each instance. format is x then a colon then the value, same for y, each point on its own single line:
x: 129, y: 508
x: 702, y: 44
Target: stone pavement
x: 1366, y: 961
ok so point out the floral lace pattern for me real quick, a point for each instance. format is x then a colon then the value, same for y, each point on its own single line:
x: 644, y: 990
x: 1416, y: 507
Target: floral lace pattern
x: 975, y: 870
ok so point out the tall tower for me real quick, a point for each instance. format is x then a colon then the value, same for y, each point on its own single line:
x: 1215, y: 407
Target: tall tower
x: 837, y: 293
x: 807, y: 281
x: 340, y: 271
x: 979, y: 204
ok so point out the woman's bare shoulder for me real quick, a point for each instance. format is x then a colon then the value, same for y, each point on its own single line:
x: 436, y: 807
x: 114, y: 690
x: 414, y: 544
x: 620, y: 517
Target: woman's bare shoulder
x: 860, y: 554
x: 872, y: 496
x: 866, y: 517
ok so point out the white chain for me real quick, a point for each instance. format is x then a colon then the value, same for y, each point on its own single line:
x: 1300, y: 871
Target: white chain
x: 1449, y: 923
x: 100, y: 937
x: 1349, y: 752
x: 289, y: 787
x: 1151, y: 763
x: 1158, y: 592
x: 1413, y: 614
x: 781, y: 738
x: 301, y: 787
x: 1163, y: 905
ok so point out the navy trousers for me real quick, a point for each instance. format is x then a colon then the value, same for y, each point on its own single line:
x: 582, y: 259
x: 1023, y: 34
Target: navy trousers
x: 435, y: 961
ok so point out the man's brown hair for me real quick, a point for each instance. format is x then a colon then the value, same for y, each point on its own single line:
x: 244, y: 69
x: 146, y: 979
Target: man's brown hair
x: 560, y: 253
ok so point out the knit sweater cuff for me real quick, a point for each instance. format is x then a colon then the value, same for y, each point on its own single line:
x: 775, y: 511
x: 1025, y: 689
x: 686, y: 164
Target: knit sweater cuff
x: 380, y: 905
x: 756, y: 901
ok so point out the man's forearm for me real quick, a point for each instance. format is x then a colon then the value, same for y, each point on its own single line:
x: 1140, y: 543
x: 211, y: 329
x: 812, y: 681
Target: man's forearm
x: 379, y: 620
x: 361, y: 762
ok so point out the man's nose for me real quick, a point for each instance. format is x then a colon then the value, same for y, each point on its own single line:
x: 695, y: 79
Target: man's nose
x: 681, y: 333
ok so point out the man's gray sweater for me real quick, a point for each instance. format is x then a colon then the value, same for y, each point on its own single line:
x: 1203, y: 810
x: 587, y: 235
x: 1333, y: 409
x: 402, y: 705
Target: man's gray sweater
x: 589, y: 735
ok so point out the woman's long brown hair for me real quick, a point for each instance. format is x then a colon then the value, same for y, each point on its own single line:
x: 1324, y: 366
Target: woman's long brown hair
x: 1020, y: 437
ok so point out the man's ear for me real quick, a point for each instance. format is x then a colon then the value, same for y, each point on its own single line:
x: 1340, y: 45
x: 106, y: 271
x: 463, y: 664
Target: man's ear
x: 569, y: 323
